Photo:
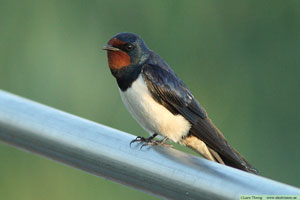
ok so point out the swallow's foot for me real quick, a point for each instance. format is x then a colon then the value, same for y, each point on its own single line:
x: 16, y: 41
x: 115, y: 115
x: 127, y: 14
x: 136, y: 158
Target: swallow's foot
x: 143, y: 139
x: 150, y: 142
x: 155, y: 142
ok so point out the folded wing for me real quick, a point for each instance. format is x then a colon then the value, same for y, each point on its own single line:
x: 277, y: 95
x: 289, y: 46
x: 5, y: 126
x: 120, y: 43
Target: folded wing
x: 168, y: 90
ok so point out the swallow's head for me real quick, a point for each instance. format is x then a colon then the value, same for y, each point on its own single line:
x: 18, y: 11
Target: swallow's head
x: 125, y: 50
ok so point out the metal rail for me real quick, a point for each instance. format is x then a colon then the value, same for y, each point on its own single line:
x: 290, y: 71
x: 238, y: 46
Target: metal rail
x: 105, y: 152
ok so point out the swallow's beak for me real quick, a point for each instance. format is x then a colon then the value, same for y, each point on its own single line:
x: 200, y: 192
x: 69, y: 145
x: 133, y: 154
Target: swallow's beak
x: 110, y: 48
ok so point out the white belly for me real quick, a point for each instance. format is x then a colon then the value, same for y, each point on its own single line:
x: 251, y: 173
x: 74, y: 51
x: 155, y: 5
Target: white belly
x: 152, y: 116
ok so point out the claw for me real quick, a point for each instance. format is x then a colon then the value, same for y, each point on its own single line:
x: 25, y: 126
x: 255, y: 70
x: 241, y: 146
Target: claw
x: 150, y: 141
x: 138, y: 139
x: 143, y: 145
x: 142, y: 139
x: 156, y: 143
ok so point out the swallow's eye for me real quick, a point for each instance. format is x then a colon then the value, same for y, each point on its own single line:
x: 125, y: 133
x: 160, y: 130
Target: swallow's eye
x: 129, y: 47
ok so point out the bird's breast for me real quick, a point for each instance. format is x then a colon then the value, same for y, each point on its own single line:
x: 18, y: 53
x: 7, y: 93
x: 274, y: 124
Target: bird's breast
x: 151, y: 115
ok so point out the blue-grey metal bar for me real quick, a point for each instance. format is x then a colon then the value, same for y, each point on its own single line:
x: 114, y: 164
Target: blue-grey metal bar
x: 105, y: 152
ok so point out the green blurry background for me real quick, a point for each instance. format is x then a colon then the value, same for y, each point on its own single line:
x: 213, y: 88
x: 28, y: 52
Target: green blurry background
x: 240, y: 60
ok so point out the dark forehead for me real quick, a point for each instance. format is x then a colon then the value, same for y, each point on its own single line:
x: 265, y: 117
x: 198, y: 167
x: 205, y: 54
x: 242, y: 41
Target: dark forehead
x: 127, y: 37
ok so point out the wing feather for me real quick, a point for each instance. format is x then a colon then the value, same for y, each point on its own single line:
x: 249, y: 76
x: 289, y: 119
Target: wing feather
x: 168, y: 90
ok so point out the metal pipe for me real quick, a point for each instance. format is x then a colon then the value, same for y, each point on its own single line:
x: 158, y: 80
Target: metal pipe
x: 105, y: 152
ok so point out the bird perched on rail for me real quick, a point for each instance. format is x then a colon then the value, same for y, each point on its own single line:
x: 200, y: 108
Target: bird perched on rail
x: 162, y: 104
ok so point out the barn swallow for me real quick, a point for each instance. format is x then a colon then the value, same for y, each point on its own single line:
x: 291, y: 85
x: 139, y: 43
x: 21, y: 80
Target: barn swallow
x: 162, y: 104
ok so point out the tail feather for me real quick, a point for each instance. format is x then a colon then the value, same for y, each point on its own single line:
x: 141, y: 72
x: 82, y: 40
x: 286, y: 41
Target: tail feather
x: 245, y: 165
x: 220, y: 149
